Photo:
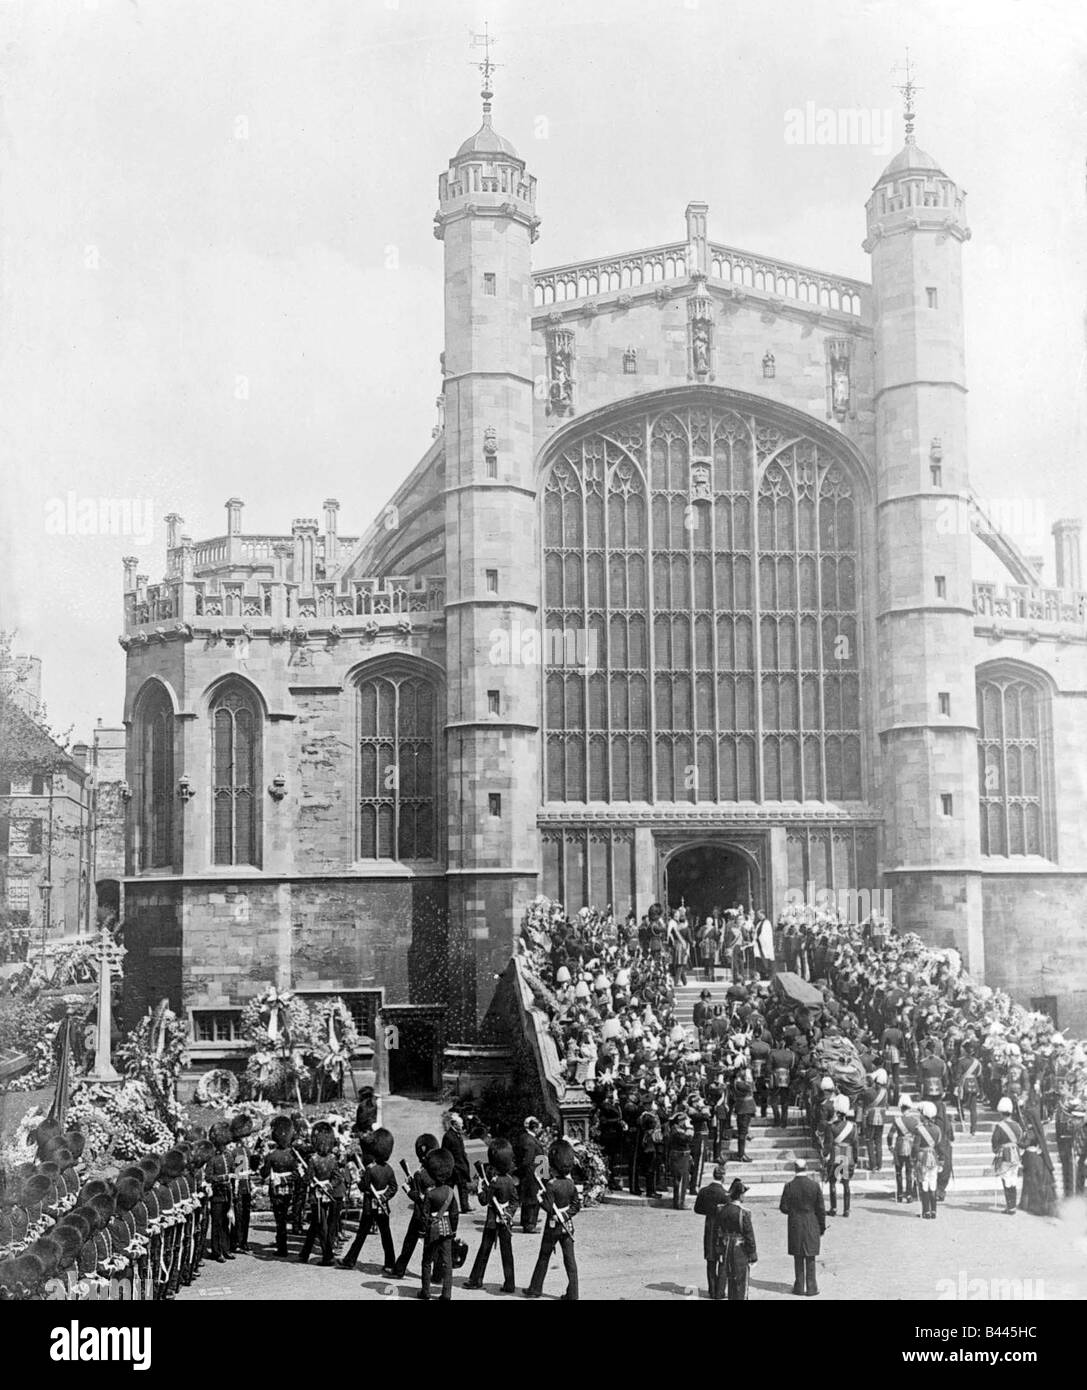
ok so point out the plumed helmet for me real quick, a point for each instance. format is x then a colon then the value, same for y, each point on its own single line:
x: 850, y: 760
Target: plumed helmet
x: 905, y: 1103
x: 439, y: 1164
x: 826, y: 1084
x: 424, y: 1144
x: 561, y: 1157
x: 381, y: 1145
x: 220, y: 1134
x: 241, y: 1126
x: 841, y: 1105
x: 173, y: 1164
x: 928, y: 1110
x: 76, y: 1142
x: 129, y: 1193
x: 282, y: 1130
x: 150, y: 1167
x: 880, y: 1077
x: 500, y: 1155
x: 1004, y: 1105
x: 562, y: 975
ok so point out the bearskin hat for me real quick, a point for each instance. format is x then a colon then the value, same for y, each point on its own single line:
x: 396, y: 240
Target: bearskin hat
x: 500, y: 1155
x: 203, y: 1150
x: 150, y: 1167
x: 282, y: 1130
x: 561, y: 1157
x: 106, y: 1203
x: 381, y: 1145
x: 48, y: 1248
x: 31, y: 1269
x: 322, y: 1127
x: 92, y: 1215
x: 129, y: 1193
x: 324, y: 1140
x: 76, y: 1142
x: 49, y: 1168
x: 195, y: 1133
x: 47, y: 1130
x: 173, y: 1164
x: 439, y: 1164
x: 91, y: 1189
x: 35, y: 1189
x: 241, y: 1126
x: 69, y: 1241
x: 424, y: 1144
x: 219, y: 1134
x: 26, y: 1170
x: 78, y: 1221
x: 63, y: 1157
x: 132, y: 1171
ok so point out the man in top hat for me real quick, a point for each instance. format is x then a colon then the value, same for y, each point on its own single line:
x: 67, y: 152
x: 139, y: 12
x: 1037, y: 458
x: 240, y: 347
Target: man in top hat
x: 281, y: 1169
x: 378, y: 1185
x: 501, y: 1196
x: 706, y: 1204
x: 439, y: 1215
x: 735, y: 1238
x: 802, y: 1203
x: 561, y: 1202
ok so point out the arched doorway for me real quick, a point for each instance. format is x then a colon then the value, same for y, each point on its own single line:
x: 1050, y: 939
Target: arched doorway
x: 705, y: 877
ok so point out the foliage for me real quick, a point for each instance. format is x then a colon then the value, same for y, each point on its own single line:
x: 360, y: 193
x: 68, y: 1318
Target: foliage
x: 217, y: 1089
x: 79, y: 964
x: 155, y: 1052
x: 590, y: 1169
x: 20, y: 1148
x: 118, y: 1122
x: 26, y: 1025
x: 280, y: 1028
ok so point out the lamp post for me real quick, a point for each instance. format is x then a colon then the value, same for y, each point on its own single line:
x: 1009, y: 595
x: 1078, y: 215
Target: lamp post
x: 103, y: 1072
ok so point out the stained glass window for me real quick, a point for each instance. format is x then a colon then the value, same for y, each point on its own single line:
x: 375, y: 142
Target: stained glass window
x: 709, y: 559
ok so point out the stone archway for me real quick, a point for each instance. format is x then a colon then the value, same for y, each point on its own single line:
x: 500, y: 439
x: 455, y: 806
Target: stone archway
x: 703, y: 877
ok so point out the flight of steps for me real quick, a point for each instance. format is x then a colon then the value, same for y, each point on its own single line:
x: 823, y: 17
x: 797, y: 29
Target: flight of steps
x: 773, y: 1150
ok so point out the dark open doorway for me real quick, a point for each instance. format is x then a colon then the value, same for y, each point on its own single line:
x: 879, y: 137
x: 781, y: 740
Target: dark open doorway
x: 705, y: 877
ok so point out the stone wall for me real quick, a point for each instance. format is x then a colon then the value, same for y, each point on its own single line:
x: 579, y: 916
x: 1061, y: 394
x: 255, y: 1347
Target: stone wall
x: 1036, y: 940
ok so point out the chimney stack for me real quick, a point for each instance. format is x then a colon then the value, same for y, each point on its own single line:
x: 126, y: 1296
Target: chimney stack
x: 234, y: 516
x: 1066, y: 544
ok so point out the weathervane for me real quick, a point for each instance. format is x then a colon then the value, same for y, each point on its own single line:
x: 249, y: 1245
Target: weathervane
x: 486, y: 68
x: 908, y: 88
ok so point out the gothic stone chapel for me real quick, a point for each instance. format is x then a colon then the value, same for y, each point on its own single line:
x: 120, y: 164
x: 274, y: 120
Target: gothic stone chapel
x: 679, y: 604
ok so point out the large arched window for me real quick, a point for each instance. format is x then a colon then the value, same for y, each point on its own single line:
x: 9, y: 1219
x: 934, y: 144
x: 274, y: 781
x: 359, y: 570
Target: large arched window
x: 1015, y: 763
x: 155, y: 745
x: 709, y: 557
x: 236, y: 775
x: 397, y: 792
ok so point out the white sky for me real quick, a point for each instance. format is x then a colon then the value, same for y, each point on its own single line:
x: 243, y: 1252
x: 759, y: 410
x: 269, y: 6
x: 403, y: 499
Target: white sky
x: 150, y: 256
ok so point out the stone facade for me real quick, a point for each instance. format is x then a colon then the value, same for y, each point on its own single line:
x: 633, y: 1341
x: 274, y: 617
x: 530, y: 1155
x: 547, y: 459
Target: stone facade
x: 859, y: 386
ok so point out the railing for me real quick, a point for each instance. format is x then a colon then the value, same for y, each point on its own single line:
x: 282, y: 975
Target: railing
x: 250, y: 550
x: 1031, y: 604
x: 801, y: 284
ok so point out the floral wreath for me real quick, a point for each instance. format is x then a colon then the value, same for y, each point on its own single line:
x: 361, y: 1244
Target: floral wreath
x: 217, y: 1088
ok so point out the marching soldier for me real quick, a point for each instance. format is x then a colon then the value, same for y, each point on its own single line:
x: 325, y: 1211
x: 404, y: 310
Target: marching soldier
x: 900, y: 1142
x: 840, y: 1153
x: 280, y: 1170
x: 325, y: 1191
x: 1007, y: 1150
x: 706, y: 1204
x: 378, y: 1189
x: 499, y: 1191
x: 560, y: 1200
x: 933, y: 1073
x: 440, y: 1213
x: 875, y: 1097
x: 926, y: 1158
x: 415, y: 1189
x: 735, y: 1243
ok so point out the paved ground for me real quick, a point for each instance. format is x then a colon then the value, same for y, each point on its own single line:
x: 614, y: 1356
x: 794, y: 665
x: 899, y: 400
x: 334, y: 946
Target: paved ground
x: 882, y: 1252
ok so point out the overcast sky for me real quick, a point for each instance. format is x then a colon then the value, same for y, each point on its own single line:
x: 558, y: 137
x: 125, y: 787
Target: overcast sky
x: 197, y: 192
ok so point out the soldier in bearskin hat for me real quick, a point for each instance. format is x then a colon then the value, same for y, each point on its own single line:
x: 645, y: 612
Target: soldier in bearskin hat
x: 416, y: 1186
x: 326, y: 1190
x: 202, y: 1154
x: 560, y: 1201
x: 378, y: 1183
x: 500, y: 1192
x: 281, y: 1170
x: 237, y: 1154
x: 440, y: 1213
x: 217, y: 1172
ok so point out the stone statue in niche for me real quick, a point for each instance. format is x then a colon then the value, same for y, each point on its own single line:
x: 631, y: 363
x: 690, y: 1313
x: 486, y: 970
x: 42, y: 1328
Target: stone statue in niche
x: 700, y: 347
x: 490, y: 442
x: 562, y: 370
x: 840, y: 388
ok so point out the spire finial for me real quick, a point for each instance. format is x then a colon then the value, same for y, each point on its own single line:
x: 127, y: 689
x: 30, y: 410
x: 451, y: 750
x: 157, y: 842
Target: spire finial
x: 909, y: 89
x: 486, y: 68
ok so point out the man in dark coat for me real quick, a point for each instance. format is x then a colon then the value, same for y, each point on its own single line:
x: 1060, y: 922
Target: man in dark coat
x: 735, y: 1239
x: 527, y: 1151
x: 453, y: 1144
x: 802, y: 1203
x: 709, y: 1199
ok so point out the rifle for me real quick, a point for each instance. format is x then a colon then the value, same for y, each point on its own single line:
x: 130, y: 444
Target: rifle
x: 484, y: 1181
x: 410, y: 1190
x: 548, y: 1204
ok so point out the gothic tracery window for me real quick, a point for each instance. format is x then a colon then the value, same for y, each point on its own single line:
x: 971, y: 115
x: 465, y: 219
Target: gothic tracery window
x: 711, y: 560
x: 236, y: 734
x: 1014, y: 765
x: 397, y: 794
x: 155, y: 722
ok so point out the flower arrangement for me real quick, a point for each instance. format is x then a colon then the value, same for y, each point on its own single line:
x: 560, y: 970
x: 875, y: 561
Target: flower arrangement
x: 20, y: 1148
x: 590, y: 1170
x: 217, y: 1088
x: 78, y: 965
x: 155, y: 1052
x: 336, y: 1038
x: 118, y: 1122
x: 280, y: 1028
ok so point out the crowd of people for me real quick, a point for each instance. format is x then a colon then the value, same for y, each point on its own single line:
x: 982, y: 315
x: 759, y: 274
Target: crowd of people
x: 820, y: 1019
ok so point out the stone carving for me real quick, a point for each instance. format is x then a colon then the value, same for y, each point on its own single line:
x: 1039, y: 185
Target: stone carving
x: 841, y: 385
x: 701, y: 486
x: 561, y: 370
x: 700, y: 328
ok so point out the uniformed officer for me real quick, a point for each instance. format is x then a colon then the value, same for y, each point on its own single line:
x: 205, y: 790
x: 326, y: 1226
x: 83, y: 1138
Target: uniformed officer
x: 893, y: 1042
x: 900, y: 1142
x: 1071, y: 1133
x: 500, y: 1193
x: 735, y: 1243
x: 933, y: 1073
x: 281, y: 1170
x: 414, y: 1189
x: 528, y: 1151
x: 782, y: 1066
x: 237, y: 1154
x: 875, y: 1097
x: 744, y: 1100
x: 840, y: 1153
x: 325, y: 1191
x: 217, y: 1171
x: 561, y: 1202
x: 378, y: 1185
x: 440, y: 1216
x: 1007, y: 1144
x: 968, y: 1084
x: 759, y: 1051
x: 927, y: 1136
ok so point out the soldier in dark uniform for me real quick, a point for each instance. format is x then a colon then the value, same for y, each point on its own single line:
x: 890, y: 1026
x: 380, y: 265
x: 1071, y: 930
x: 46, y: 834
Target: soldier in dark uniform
x: 900, y: 1142
x: 744, y: 1109
x: 527, y: 1150
x: 203, y: 1153
x: 281, y: 1170
x: 840, y: 1142
x: 1070, y: 1124
x: 802, y: 1203
x: 735, y: 1238
x: 415, y: 1187
x: 706, y: 1204
x: 378, y: 1185
x: 325, y: 1190
x: 611, y: 1136
x: 237, y: 1155
x: 759, y: 1051
x: 968, y: 1084
x: 932, y: 1073
x: 439, y: 1212
x: 561, y: 1203
x: 217, y: 1171
x: 782, y: 1065
x: 501, y: 1196
x: 647, y: 1152
x: 892, y: 1043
